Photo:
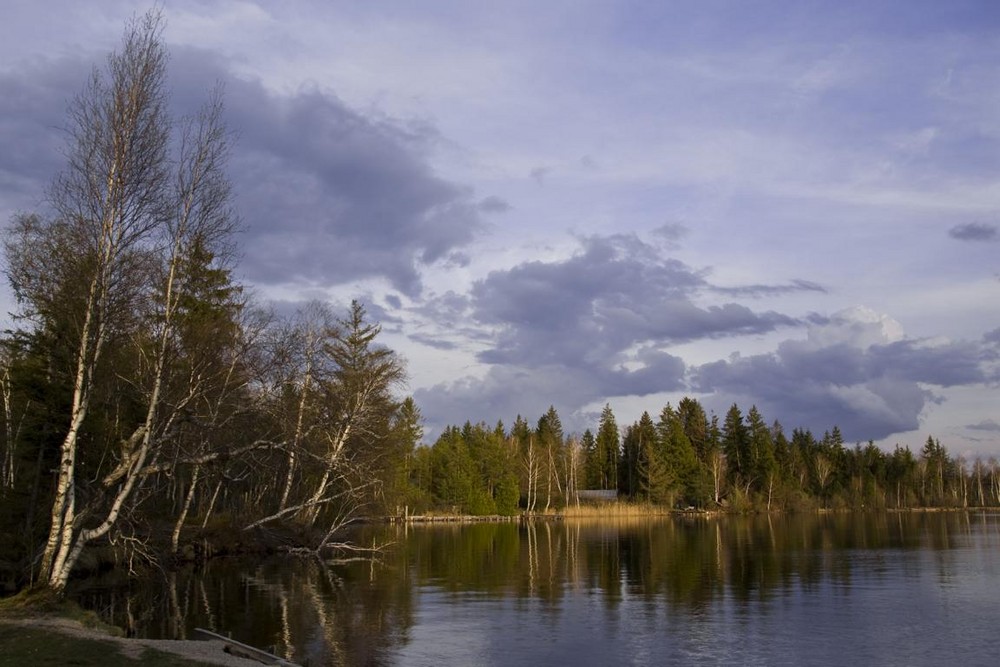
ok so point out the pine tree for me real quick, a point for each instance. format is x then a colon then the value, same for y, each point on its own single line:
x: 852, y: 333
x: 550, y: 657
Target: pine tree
x: 592, y: 461
x: 656, y: 481
x: 608, y: 448
x: 763, y: 467
x: 678, y: 453
x: 736, y: 446
x: 550, y: 440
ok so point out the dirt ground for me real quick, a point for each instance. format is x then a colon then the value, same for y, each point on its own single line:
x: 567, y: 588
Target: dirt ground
x: 210, y: 652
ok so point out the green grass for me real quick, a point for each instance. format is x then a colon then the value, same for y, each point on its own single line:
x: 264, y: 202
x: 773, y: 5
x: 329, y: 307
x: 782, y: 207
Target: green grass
x: 21, y: 646
x: 42, y: 603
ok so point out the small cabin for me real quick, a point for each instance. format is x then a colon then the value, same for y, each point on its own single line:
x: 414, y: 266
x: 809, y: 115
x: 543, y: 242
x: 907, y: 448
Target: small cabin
x: 597, y: 495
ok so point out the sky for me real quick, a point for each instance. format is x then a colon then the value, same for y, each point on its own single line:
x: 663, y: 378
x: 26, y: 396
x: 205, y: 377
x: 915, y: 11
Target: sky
x: 793, y: 205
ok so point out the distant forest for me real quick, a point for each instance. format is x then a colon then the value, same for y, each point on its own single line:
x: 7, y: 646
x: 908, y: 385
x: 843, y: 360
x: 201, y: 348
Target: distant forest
x: 149, y: 408
x: 686, y: 459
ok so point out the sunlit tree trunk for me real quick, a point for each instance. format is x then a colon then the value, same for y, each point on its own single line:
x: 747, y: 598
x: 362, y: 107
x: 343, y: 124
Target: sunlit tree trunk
x: 119, y: 141
x: 188, y: 498
x: 130, y: 236
x: 979, y: 482
x: 718, y: 461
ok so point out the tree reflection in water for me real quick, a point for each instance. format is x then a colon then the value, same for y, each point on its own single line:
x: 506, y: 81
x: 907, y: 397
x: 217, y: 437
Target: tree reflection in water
x: 364, y: 612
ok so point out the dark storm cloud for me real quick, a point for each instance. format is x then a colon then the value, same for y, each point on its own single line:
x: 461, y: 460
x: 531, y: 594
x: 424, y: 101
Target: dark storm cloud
x: 328, y: 194
x: 870, y: 392
x: 658, y: 372
x: 756, y: 291
x: 33, y: 102
x: 506, y: 392
x: 435, y: 342
x: 450, y: 310
x: 577, y: 331
x: 949, y: 365
x: 974, y: 231
x: 617, y: 292
x: 332, y: 196
x: 989, y: 425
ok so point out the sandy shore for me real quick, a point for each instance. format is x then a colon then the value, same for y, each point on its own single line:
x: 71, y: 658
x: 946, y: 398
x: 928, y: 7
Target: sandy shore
x: 203, y: 651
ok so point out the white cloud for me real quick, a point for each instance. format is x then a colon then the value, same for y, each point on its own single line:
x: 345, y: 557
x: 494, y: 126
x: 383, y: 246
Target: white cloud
x: 858, y: 326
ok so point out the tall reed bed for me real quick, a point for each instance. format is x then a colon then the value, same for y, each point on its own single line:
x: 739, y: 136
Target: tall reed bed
x: 617, y: 509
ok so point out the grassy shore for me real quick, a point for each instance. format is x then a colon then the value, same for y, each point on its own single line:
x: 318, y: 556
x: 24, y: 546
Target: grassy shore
x: 37, y: 628
x: 49, y: 644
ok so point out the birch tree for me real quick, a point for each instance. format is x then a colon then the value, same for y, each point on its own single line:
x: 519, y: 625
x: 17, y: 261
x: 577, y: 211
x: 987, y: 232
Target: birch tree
x: 128, y: 216
x: 110, y: 198
x: 351, y: 379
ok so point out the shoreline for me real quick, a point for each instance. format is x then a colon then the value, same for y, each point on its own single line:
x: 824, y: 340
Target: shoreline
x: 611, y: 511
x: 207, y: 652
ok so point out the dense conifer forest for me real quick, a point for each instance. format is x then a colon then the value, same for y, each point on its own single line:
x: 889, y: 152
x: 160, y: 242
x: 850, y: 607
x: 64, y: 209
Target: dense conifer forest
x: 687, y: 459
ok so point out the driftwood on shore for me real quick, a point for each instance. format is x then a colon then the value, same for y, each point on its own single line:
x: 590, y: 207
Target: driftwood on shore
x: 241, y: 650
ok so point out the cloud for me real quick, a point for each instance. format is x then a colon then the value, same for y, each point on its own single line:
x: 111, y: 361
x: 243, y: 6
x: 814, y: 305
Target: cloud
x: 617, y: 292
x: 854, y: 371
x: 33, y: 102
x: 756, y: 291
x: 857, y: 326
x: 506, y: 391
x: 573, y: 331
x: 672, y: 232
x: 332, y: 196
x: 493, y: 204
x: 974, y: 231
x: 990, y: 425
x: 328, y: 194
x: 434, y: 342
x: 539, y: 174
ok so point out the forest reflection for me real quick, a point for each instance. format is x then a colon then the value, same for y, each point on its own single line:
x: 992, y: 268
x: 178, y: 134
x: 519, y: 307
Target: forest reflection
x: 360, y: 612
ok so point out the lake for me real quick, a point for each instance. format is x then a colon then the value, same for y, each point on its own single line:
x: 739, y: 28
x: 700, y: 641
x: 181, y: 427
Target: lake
x: 826, y: 589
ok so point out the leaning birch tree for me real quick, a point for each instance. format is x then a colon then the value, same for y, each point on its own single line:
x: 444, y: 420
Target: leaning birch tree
x: 111, y: 195
x: 128, y: 214
x: 348, y: 411
x: 197, y: 230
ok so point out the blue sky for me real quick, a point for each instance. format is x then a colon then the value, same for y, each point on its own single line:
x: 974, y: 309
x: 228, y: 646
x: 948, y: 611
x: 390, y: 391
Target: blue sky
x: 787, y: 204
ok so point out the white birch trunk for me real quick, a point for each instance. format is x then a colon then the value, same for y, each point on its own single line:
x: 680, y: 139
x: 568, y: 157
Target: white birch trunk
x: 176, y: 535
x: 297, y: 437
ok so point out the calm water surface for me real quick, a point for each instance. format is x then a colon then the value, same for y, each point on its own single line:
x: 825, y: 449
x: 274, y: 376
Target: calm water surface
x: 861, y: 589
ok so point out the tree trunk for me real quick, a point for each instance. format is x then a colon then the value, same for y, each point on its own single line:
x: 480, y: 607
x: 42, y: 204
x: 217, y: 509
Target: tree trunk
x: 297, y: 436
x: 175, y: 537
x: 211, y: 504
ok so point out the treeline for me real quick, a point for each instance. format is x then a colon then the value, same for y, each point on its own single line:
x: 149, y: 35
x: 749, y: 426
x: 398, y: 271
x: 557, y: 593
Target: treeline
x: 686, y: 458
x: 266, y: 431
x: 147, y: 405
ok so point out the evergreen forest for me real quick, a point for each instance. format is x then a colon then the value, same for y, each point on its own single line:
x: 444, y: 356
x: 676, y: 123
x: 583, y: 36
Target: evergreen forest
x: 685, y: 459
